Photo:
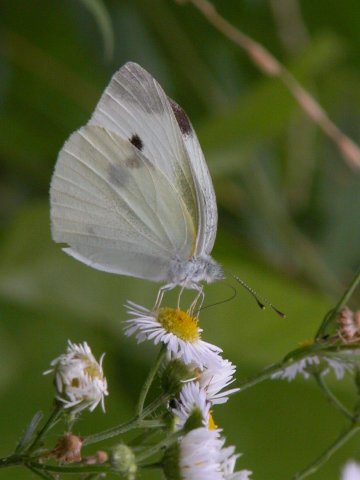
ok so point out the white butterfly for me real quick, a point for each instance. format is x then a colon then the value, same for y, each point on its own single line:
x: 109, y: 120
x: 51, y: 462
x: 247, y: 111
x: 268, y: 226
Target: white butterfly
x: 131, y: 193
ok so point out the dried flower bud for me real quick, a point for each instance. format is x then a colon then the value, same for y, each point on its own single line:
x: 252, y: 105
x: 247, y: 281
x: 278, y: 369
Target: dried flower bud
x: 349, y: 325
x: 98, y: 458
x: 68, y: 448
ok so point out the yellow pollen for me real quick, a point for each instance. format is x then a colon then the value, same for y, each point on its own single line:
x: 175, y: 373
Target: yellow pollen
x: 211, y: 424
x: 179, y: 323
x: 92, y: 370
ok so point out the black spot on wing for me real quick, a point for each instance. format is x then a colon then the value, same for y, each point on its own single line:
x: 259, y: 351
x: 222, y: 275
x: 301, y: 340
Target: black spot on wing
x: 137, y: 142
x: 181, y: 118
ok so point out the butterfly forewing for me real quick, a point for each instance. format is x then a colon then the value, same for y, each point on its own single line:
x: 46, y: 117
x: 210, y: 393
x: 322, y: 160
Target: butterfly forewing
x: 207, y: 209
x: 135, y: 107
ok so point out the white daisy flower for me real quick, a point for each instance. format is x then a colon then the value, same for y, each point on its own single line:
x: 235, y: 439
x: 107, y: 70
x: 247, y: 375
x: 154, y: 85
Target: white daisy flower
x: 201, y: 455
x: 214, y: 379
x: 192, y: 399
x: 351, y: 471
x: 79, y: 378
x: 324, y: 364
x: 176, y: 329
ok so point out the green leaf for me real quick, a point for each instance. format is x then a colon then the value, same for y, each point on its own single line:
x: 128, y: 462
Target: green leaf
x: 102, y: 17
x: 29, y: 432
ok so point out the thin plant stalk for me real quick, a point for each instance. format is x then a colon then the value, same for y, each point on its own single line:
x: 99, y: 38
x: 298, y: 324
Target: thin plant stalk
x: 271, y: 67
x: 135, y: 422
x: 149, y: 380
x: 332, y: 397
x: 314, y: 466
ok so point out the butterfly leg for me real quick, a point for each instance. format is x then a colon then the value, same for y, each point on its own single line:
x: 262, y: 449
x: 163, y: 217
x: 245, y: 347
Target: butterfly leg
x: 180, y: 293
x: 160, y: 295
x: 200, y: 296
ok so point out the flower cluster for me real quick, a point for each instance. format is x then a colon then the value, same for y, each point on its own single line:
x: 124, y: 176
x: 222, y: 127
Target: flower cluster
x: 321, y: 364
x: 199, y: 452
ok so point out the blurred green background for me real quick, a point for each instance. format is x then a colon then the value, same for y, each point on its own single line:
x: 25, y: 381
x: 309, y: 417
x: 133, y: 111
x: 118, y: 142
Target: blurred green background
x: 288, y: 205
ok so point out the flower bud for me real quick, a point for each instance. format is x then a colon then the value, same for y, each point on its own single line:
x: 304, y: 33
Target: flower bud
x: 174, y: 376
x: 122, y: 458
x: 171, y: 461
x: 195, y: 420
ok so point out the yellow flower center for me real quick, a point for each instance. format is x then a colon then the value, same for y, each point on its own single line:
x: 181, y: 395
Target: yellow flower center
x: 211, y: 424
x: 179, y: 323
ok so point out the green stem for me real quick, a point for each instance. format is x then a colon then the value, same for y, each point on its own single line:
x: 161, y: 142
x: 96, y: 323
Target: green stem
x: 324, y: 457
x: 42, y: 474
x: 48, y: 425
x: 148, y: 382
x: 332, y: 398
x: 149, y: 452
x: 341, y: 303
x: 69, y: 468
x: 142, y: 438
x: 260, y: 377
x: 10, y: 461
x: 135, y: 422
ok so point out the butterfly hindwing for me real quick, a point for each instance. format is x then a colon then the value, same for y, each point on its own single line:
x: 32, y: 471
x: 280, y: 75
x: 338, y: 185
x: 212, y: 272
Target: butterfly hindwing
x: 116, y: 209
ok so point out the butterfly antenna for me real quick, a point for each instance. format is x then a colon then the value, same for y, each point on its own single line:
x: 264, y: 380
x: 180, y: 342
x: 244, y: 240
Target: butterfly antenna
x: 221, y: 301
x: 261, y: 302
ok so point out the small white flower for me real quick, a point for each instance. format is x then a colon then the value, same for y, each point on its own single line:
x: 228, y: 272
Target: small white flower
x: 176, y: 329
x: 192, y: 399
x: 322, y: 363
x: 79, y: 378
x: 201, y: 455
x: 215, y: 378
x: 351, y: 471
